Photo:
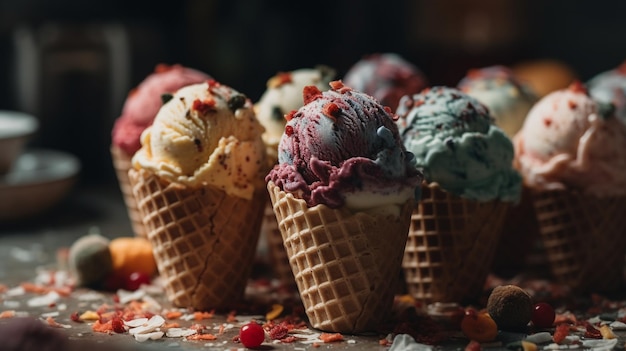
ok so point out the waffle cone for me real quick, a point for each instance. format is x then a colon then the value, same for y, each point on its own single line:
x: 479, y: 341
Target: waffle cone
x: 204, y: 241
x: 345, y: 263
x: 122, y: 163
x: 583, y: 237
x: 451, y: 246
x: 519, y: 239
x: 276, y: 249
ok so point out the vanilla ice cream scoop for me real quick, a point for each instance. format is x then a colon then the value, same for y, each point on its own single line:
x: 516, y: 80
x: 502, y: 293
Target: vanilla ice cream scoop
x: 283, y: 95
x: 206, y: 134
x: 506, y: 97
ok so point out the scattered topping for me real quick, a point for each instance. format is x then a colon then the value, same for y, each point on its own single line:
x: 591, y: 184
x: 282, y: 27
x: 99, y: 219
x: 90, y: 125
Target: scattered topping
x: 606, y: 332
x: 236, y: 102
x: 543, y: 315
x: 572, y: 105
x: 327, y: 337
x: 136, y: 279
x: 203, y: 107
x: 547, y: 121
x: 290, y: 115
x: 560, y: 333
x: 510, y: 307
x: 251, y: 335
x: 310, y: 93
x: 89, y: 316
x: 578, y: 87
x: 336, y: 85
x: 528, y: 346
x: 279, y: 79
x: 288, y: 130
x: 275, y: 312
x: 332, y: 111
x: 165, y: 98
x: 479, y: 326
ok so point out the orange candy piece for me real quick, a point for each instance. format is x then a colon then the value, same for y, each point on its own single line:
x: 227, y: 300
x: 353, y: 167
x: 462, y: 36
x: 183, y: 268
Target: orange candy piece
x: 132, y: 254
x: 479, y: 326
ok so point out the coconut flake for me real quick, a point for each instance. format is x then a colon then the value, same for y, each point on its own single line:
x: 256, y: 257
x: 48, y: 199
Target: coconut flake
x: 539, y: 338
x: 17, y: 291
x: 149, y: 336
x: 151, y: 325
x: 90, y: 296
x: 128, y: 296
x: 45, y: 300
x: 10, y: 304
x: 179, y: 332
x: 600, y: 344
x: 134, y: 323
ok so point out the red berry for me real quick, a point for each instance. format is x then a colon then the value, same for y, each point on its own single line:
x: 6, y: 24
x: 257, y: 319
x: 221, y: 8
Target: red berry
x: 543, y: 315
x: 136, y: 279
x: 251, y: 335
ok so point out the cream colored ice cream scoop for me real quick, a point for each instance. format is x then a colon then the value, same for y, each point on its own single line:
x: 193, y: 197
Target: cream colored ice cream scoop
x: 206, y: 134
x: 283, y: 95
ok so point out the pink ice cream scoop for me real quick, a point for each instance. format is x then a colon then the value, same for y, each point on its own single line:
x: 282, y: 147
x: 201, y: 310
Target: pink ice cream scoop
x: 387, y: 77
x: 146, y: 99
x: 569, y: 141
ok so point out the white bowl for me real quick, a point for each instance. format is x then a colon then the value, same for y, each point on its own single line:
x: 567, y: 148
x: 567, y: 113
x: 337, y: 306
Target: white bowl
x: 38, y: 180
x: 16, y: 128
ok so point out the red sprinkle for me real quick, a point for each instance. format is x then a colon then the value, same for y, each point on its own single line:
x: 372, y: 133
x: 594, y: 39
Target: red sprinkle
x: 547, y: 121
x: 290, y: 115
x: 203, y: 106
x: 283, y: 78
x: 163, y: 67
x: 310, y: 93
x: 332, y: 111
x: 336, y: 84
x: 118, y: 325
x: 578, y: 87
x: 572, y: 104
x: 328, y: 337
x: 278, y: 332
x: 474, y: 73
x: 289, y: 130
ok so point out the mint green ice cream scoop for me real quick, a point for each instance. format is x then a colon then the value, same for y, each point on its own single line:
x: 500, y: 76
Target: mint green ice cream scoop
x: 456, y: 145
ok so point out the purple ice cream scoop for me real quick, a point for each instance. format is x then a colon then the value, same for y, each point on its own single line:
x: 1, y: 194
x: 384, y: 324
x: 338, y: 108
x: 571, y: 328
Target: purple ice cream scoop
x: 387, y: 77
x: 343, y: 148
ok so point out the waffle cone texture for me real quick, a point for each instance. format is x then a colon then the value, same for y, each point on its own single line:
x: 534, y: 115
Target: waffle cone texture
x: 584, y: 238
x: 451, y: 246
x: 122, y: 163
x: 204, y: 241
x: 345, y: 263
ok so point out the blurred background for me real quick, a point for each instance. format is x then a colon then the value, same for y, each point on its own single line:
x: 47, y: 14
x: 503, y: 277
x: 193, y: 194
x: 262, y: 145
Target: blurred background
x: 71, y: 63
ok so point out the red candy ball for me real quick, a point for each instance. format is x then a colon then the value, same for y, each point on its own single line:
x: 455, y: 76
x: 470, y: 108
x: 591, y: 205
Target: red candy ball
x: 543, y: 315
x: 136, y: 279
x: 251, y: 335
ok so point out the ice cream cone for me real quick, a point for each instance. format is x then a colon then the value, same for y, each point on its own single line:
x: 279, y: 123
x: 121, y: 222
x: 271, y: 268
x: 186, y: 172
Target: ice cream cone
x: 204, y: 240
x: 122, y: 163
x: 276, y: 249
x: 345, y: 264
x: 583, y: 237
x: 451, y: 245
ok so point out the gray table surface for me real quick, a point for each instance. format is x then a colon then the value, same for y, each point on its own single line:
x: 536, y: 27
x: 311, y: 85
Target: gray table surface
x: 33, y: 243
